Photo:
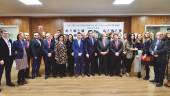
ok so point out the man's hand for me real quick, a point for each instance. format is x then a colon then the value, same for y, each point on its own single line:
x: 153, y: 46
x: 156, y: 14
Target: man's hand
x: 2, y: 62
x: 87, y: 55
x: 49, y: 54
x: 117, y: 54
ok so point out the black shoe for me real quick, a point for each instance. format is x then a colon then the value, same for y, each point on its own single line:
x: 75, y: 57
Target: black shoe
x: 88, y: 75
x: 0, y: 90
x: 146, y: 78
x: 28, y: 77
x: 20, y: 83
x: 10, y: 84
x: 39, y: 75
x: 139, y: 75
x: 33, y: 77
x: 120, y: 75
x: 159, y: 85
x: 46, y: 77
x: 153, y: 81
x: 25, y: 82
x: 93, y: 74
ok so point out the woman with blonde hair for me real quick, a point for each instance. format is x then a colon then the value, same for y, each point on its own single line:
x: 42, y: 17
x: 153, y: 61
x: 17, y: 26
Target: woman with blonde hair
x: 146, y: 55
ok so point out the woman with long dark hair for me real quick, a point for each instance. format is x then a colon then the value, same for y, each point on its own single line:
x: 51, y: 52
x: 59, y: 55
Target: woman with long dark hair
x: 127, y: 54
x: 70, y: 54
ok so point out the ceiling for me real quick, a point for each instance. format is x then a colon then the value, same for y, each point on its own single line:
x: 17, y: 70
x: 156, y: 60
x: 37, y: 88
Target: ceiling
x: 85, y: 8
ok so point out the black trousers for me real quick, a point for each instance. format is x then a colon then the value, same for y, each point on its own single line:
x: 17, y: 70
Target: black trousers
x: 61, y: 69
x: 21, y: 75
x: 127, y: 64
x: 159, y: 70
x: 116, y: 65
x: 96, y: 65
x: 90, y: 65
x: 70, y: 67
x: 48, y: 65
x: 29, y: 65
x: 8, y: 67
x: 103, y: 64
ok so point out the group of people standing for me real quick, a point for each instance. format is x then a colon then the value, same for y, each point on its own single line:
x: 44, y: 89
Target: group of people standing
x: 87, y: 55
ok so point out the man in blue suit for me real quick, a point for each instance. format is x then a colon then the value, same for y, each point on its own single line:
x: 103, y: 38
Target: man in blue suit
x: 78, y: 49
x: 159, y: 51
x: 36, y: 51
x: 91, y: 52
x: 48, y: 48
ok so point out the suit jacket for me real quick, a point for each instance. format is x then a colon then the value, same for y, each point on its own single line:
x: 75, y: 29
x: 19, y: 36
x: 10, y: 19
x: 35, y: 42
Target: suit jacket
x: 115, y: 49
x: 161, y: 50
x: 36, y: 48
x: 46, y: 48
x: 78, y: 49
x: 18, y: 49
x: 101, y: 47
x: 4, y: 55
x: 90, y: 47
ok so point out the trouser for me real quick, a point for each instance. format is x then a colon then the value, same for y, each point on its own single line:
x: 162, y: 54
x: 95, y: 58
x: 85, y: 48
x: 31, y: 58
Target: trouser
x: 79, y: 68
x: 8, y: 66
x: 21, y: 75
x: 159, y: 71
x: 36, y: 66
x: 103, y: 64
x: 48, y: 65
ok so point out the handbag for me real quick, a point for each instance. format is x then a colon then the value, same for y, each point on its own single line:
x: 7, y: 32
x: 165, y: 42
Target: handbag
x: 129, y: 55
x: 146, y: 58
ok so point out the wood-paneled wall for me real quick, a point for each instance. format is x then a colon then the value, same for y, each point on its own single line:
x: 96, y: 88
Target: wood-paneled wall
x: 55, y: 23
x: 52, y: 24
x: 138, y: 22
x: 22, y: 22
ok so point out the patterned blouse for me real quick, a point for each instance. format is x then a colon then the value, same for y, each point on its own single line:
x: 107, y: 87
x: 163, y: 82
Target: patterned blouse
x: 60, y: 51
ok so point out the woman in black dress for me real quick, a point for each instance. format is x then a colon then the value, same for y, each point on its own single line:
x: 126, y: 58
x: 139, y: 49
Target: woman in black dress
x: 146, y: 53
x: 70, y: 67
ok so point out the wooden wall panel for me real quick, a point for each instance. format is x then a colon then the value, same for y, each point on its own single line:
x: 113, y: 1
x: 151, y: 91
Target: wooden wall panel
x: 138, y: 22
x: 54, y: 23
x: 22, y: 22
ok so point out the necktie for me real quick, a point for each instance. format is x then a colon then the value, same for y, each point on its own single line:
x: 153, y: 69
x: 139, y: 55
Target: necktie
x: 27, y: 44
x: 104, y: 44
x: 49, y: 43
x: 117, y: 44
x: 92, y: 41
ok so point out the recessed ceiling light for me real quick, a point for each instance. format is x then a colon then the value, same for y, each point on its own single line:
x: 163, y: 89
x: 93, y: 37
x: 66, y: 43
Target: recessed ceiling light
x: 31, y: 2
x: 117, y: 2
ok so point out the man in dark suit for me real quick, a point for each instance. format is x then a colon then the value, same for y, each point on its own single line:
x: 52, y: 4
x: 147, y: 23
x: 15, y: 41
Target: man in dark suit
x: 116, y: 48
x: 103, y: 50
x: 27, y: 47
x: 48, y: 48
x: 78, y: 49
x: 159, y: 51
x: 91, y: 52
x: 6, y: 57
x: 36, y: 51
